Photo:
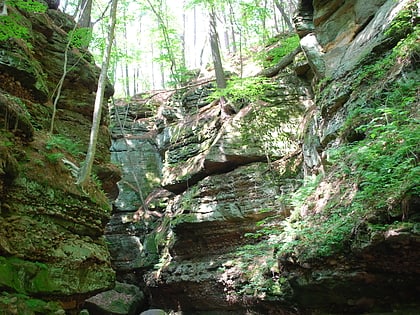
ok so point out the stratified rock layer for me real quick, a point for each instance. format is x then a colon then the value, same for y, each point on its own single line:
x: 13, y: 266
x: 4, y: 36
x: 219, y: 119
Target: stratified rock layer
x: 51, y: 231
x: 257, y: 217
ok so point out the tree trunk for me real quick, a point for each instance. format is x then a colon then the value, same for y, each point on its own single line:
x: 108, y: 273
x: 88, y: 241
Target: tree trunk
x: 4, y: 9
x: 184, y: 33
x: 217, y: 61
x: 283, y: 63
x: 286, y: 18
x: 86, y: 169
x: 215, y: 51
x: 195, y: 38
x: 167, y: 40
x: 232, y: 28
x: 126, y: 67
x: 85, y: 18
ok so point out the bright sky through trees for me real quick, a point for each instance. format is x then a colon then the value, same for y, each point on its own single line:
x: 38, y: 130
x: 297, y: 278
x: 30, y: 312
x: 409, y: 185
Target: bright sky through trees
x: 157, y: 41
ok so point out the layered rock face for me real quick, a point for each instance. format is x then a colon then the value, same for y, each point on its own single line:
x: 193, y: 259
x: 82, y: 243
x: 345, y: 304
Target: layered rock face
x: 245, y: 215
x: 51, y: 231
x: 210, y: 183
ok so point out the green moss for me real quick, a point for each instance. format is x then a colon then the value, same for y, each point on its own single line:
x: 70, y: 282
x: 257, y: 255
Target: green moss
x: 64, y: 143
x: 25, y: 276
x: 24, y: 305
x: 258, y: 275
x: 285, y: 47
x: 406, y: 47
x: 403, y: 24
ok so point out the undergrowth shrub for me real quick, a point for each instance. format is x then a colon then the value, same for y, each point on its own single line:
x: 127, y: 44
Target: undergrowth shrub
x: 381, y: 167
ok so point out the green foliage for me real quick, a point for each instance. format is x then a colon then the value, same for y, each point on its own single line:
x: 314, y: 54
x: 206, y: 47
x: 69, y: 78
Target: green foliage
x: 387, y: 159
x: 269, y: 124
x: 9, y: 303
x: 407, y: 47
x: 80, y: 37
x: 258, y: 269
x: 64, y: 143
x: 168, y: 40
x: 11, y: 28
x: 241, y: 90
x: 6, y: 143
x: 182, y: 76
x: 29, y: 5
x: 54, y: 157
x: 11, y: 25
x: 403, y: 24
x: 58, y: 144
x: 273, y: 56
x: 297, y: 199
x: 252, y: 21
x: 314, y: 236
x: 318, y: 236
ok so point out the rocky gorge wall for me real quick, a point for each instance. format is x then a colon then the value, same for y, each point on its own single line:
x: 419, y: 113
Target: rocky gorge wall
x: 52, y: 252
x: 303, y: 200
x: 314, y: 213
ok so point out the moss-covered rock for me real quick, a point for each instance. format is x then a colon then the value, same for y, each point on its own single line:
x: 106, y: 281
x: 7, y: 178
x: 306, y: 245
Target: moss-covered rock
x: 21, y: 304
x: 51, y: 230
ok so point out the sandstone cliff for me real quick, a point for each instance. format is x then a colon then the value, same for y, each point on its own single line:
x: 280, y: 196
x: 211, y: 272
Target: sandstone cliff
x: 304, y: 200
x: 52, y: 251
x: 316, y: 212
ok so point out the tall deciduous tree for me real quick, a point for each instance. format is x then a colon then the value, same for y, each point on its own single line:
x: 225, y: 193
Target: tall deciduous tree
x: 169, y: 48
x: 86, y: 169
x: 286, y: 18
x: 215, y: 49
x: 86, y: 12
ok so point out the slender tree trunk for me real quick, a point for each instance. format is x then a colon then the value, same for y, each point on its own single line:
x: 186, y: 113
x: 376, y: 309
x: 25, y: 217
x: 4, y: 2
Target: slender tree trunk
x: 152, y: 65
x: 286, y: 18
x: 85, y: 18
x: 126, y: 70
x: 195, y: 37
x: 217, y: 60
x: 184, y: 57
x: 226, y: 33
x: 164, y: 29
x: 263, y: 23
x: 86, y: 169
x: 276, y: 22
x: 162, y: 73
x: 232, y: 28
x: 215, y: 51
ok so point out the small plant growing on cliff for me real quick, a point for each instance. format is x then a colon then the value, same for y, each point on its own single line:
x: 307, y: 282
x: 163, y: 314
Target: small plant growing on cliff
x: 54, y: 157
x: 286, y: 45
x: 63, y: 143
x: 10, y: 24
x: 80, y: 37
x: 243, y: 90
x: 404, y: 23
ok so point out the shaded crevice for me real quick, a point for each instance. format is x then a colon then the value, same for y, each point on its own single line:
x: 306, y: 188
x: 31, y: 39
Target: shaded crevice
x: 362, y: 27
x: 213, y: 168
x: 303, y: 19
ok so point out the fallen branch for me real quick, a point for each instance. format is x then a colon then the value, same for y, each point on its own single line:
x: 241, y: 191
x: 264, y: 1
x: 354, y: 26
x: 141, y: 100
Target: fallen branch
x: 283, y: 63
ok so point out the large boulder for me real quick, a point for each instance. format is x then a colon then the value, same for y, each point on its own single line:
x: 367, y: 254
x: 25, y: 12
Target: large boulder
x: 124, y: 299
